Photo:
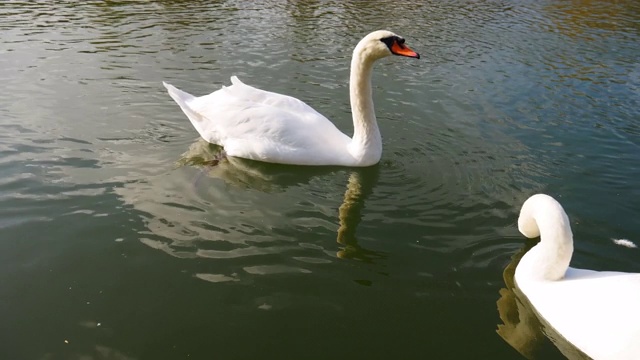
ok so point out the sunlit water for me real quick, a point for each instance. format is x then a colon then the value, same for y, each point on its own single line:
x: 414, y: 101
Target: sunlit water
x: 116, y: 242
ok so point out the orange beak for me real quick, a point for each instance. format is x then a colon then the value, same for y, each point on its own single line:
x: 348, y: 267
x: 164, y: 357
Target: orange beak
x: 403, y: 50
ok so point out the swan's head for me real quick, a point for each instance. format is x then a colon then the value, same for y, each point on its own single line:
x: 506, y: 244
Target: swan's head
x: 383, y: 43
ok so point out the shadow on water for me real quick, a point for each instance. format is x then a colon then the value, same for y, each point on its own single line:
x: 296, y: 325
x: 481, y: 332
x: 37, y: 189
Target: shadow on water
x: 521, y: 327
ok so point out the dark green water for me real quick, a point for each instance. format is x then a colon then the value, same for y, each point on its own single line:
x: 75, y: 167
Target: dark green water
x: 115, y: 244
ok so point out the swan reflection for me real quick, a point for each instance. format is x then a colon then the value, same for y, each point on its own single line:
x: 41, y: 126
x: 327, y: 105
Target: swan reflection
x: 275, y: 178
x: 236, y: 171
x: 521, y: 327
x: 359, y: 187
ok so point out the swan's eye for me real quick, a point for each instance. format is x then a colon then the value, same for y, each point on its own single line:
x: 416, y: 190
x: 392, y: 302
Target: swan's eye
x: 388, y: 41
x: 400, y: 40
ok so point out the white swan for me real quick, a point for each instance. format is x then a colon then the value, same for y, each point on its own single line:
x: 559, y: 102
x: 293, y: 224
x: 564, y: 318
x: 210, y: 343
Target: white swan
x: 597, y: 312
x: 260, y: 125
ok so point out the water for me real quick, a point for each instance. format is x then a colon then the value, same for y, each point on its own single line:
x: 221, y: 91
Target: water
x: 116, y: 243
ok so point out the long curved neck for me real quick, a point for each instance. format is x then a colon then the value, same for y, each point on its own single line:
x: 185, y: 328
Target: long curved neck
x: 550, y: 258
x: 366, y: 144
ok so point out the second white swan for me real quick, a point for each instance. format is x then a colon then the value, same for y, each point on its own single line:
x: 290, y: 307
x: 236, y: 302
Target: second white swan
x: 595, y: 311
x: 260, y: 125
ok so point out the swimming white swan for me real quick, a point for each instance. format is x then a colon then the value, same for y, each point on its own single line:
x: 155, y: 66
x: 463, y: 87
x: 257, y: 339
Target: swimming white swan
x: 597, y: 312
x: 260, y: 125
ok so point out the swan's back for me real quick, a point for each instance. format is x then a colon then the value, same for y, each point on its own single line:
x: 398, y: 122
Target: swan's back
x: 262, y: 125
x: 597, y: 312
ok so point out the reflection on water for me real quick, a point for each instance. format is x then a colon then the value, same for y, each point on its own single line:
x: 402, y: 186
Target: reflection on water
x: 522, y: 328
x: 512, y: 98
x: 276, y: 178
x: 590, y: 19
x: 360, y: 185
x: 244, y: 173
x: 247, y: 174
x: 205, y: 219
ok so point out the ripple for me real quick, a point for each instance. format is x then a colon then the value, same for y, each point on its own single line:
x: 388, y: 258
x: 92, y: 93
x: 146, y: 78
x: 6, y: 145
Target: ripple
x: 312, y: 260
x: 274, y: 269
x: 509, y: 99
x: 216, y: 278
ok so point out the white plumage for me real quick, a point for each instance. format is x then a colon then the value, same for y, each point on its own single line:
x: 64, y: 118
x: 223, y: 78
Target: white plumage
x: 261, y: 125
x: 598, y: 312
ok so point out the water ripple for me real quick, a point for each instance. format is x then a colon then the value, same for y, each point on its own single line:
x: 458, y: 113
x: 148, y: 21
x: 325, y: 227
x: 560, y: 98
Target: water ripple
x: 100, y: 167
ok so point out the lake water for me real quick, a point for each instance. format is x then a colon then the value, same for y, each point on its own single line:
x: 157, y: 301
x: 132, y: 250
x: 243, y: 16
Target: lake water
x: 116, y: 243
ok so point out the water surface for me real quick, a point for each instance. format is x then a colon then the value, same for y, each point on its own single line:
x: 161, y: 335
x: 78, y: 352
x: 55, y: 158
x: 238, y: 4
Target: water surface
x: 117, y: 243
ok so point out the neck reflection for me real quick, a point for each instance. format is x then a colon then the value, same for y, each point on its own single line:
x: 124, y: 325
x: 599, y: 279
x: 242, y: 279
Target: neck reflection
x: 269, y: 178
x: 359, y: 187
x: 521, y: 328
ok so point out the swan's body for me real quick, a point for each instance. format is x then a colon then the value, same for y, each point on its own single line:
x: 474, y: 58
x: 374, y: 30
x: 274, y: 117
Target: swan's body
x: 260, y: 125
x: 597, y: 312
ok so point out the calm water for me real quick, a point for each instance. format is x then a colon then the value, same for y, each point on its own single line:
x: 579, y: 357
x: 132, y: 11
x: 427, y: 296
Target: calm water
x: 116, y: 244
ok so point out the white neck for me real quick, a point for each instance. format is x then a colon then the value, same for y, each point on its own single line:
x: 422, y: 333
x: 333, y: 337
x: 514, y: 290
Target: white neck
x: 366, y: 144
x: 550, y: 258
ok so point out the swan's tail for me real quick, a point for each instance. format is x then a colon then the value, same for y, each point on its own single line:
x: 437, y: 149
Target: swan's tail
x: 184, y: 99
x: 236, y: 81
